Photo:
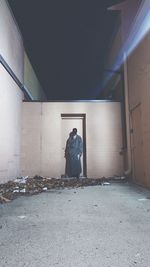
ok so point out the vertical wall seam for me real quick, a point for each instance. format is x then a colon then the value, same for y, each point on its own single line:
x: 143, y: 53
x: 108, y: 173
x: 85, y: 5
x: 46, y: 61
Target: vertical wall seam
x: 41, y: 117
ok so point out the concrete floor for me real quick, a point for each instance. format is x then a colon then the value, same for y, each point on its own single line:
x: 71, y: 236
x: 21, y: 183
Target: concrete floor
x: 102, y: 226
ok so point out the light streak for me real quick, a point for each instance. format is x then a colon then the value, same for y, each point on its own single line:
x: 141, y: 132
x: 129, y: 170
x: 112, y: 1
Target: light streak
x: 139, y: 29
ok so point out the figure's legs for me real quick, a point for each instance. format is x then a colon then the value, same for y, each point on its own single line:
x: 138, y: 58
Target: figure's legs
x: 68, y: 167
x: 75, y: 167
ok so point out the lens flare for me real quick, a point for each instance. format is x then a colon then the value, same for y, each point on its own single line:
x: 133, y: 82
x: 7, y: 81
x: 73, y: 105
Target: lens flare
x: 140, y: 28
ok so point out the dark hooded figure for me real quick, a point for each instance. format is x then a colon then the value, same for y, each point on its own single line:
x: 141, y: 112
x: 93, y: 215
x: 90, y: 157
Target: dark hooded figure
x: 73, y: 152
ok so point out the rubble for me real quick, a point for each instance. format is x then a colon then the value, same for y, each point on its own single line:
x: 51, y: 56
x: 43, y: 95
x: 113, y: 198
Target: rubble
x: 29, y: 186
x: 106, y: 183
x: 4, y: 200
x: 22, y: 217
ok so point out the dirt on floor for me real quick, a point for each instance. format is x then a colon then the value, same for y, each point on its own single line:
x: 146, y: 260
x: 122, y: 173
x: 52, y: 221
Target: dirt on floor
x: 30, y: 186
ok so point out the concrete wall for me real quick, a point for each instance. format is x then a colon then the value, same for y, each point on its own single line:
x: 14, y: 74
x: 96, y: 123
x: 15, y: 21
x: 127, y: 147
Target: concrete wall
x: 41, y: 143
x: 31, y: 81
x: 139, y: 95
x: 11, y: 45
x: 12, y: 51
x: 11, y: 48
x: 137, y: 80
x: 138, y: 90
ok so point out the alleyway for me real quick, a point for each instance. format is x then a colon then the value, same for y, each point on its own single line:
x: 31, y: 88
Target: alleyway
x: 99, y: 226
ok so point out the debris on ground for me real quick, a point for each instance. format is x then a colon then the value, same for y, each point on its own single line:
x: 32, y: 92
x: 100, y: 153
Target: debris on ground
x: 106, y: 183
x: 142, y: 199
x: 22, y: 217
x: 4, y: 200
x: 37, y: 184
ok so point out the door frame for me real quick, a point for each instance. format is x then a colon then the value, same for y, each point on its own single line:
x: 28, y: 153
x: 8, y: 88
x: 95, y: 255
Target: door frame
x: 83, y: 116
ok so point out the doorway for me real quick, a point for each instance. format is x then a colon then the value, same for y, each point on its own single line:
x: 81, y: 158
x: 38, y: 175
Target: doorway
x: 68, y: 122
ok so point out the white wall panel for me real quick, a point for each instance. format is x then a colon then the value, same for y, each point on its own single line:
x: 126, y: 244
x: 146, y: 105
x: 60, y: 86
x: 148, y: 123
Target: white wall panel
x: 10, y: 127
x: 11, y: 49
x: 11, y: 45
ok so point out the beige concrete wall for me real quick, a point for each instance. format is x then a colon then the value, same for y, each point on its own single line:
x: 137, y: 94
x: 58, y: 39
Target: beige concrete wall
x: 139, y: 94
x: 137, y: 86
x: 41, y: 135
x: 31, y: 81
x: 11, y: 49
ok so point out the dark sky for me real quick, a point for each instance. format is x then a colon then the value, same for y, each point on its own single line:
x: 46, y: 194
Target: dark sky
x: 66, y: 42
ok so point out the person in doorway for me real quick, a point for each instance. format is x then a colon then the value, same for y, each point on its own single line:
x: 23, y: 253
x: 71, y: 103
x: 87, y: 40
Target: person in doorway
x: 73, y: 152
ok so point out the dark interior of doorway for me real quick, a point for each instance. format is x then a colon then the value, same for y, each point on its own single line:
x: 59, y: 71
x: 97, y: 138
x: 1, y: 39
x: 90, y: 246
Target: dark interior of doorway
x: 83, y: 116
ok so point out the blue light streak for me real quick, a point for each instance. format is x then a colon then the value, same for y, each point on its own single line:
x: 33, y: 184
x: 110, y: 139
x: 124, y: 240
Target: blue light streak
x: 138, y: 31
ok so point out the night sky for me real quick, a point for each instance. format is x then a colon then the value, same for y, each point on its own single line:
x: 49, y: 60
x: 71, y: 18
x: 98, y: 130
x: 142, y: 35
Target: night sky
x: 66, y: 42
